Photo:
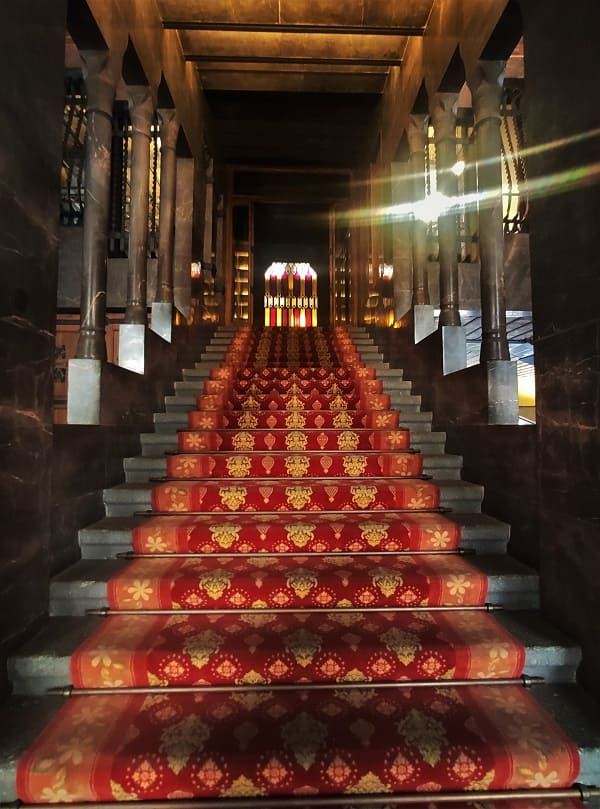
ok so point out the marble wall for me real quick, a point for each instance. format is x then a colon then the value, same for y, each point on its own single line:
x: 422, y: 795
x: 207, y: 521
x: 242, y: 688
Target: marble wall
x: 31, y: 99
x: 562, y: 65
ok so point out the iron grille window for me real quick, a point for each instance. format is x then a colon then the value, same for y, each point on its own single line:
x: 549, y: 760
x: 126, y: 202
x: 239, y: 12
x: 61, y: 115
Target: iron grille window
x: 72, y: 177
x: 514, y: 179
x: 120, y: 200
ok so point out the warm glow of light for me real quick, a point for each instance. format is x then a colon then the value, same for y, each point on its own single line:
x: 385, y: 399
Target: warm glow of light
x: 526, y: 384
x: 280, y: 268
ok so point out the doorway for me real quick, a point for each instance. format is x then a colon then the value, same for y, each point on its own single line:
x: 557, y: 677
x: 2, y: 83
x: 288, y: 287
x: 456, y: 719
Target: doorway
x: 291, y: 233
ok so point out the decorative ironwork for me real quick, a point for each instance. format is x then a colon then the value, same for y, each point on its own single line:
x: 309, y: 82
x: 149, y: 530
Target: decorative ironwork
x: 72, y: 178
x: 516, y: 204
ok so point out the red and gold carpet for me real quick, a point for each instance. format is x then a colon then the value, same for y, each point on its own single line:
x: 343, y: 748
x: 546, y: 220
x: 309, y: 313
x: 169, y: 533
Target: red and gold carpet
x: 296, y: 542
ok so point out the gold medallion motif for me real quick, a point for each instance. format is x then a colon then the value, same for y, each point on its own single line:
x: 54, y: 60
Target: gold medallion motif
x: 348, y: 440
x: 232, y: 496
x: 404, y: 645
x: 225, y: 535
x: 300, y: 534
x: 296, y: 441
x: 243, y: 441
x: 305, y: 736
x: 250, y: 403
x: 298, y: 496
x: 363, y: 496
x: 200, y: 647
x: 248, y: 421
x: 215, y: 583
x: 296, y: 466
x: 387, y: 581
x: 295, y: 403
x: 341, y: 420
x: 374, y: 533
x: 238, y: 466
x: 303, y: 645
x: 339, y: 403
x: 354, y: 465
x: 301, y: 581
x: 295, y: 420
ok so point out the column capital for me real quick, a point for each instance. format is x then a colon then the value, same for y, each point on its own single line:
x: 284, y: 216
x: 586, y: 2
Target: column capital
x: 99, y: 75
x: 169, y: 128
x: 416, y: 133
x: 486, y: 81
x: 442, y: 108
x: 141, y: 109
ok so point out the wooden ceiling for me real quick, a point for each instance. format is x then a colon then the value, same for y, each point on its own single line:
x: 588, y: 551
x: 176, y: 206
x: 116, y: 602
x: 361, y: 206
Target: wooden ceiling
x: 321, y: 63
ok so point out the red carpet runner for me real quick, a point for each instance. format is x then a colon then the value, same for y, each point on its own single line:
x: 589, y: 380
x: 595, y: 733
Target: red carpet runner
x: 295, y: 504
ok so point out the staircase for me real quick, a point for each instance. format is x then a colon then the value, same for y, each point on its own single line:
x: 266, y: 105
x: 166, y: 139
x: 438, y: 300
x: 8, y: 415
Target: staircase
x: 309, y: 613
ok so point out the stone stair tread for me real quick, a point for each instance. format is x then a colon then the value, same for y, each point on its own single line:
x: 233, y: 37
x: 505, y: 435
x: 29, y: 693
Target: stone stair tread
x: 112, y: 535
x: 62, y: 635
x: 83, y: 584
x: 455, y: 490
x: 23, y: 717
x: 156, y: 461
x: 472, y: 524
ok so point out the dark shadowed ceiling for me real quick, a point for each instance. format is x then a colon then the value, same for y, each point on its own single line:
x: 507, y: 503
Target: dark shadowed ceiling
x: 295, y: 82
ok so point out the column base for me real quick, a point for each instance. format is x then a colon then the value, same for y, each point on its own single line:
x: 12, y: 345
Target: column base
x: 83, y: 391
x: 454, y: 349
x: 162, y: 320
x: 132, y: 338
x: 503, y: 392
x: 424, y: 321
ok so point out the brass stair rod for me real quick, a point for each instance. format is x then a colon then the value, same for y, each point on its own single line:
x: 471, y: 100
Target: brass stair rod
x: 309, y: 515
x: 71, y: 691
x: 290, y: 554
x: 580, y: 791
x: 290, y: 610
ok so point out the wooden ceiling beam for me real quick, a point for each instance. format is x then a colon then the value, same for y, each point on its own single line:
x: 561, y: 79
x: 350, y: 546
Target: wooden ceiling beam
x: 295, y: 28
x: 293, y: 60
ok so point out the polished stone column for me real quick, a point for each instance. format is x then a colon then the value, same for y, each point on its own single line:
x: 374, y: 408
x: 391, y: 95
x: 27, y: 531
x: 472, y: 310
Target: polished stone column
x: 417, y: 144
x: 132, y: 333
x: 485, y: 83
x: 184, y: 225
x: 471, y: 214
x: 100, y: 83
x: 207, y: 252
x: 162, y: 308
x: 219, y: 259
x: 401, y: 241
x: 443, y: 116
x: 423, y: 317
x: 141, y: 110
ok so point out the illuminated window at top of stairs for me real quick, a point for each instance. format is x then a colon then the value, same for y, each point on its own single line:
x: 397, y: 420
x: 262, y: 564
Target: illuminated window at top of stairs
x: 291, y: 294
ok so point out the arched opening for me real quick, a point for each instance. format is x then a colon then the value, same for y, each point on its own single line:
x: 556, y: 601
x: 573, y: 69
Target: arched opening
x: 291, y: 295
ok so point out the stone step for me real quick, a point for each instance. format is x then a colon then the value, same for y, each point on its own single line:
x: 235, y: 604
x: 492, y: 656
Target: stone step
x: 194, y: 382
x: 421, y: 437
x: 23, y: 717
x: 411, y: 416
x: 112, y: 535
x: 144, y: 467
x: 186, y: 393
x: 43, y: 662
x: 127, y: 498
x: 82, y: 586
